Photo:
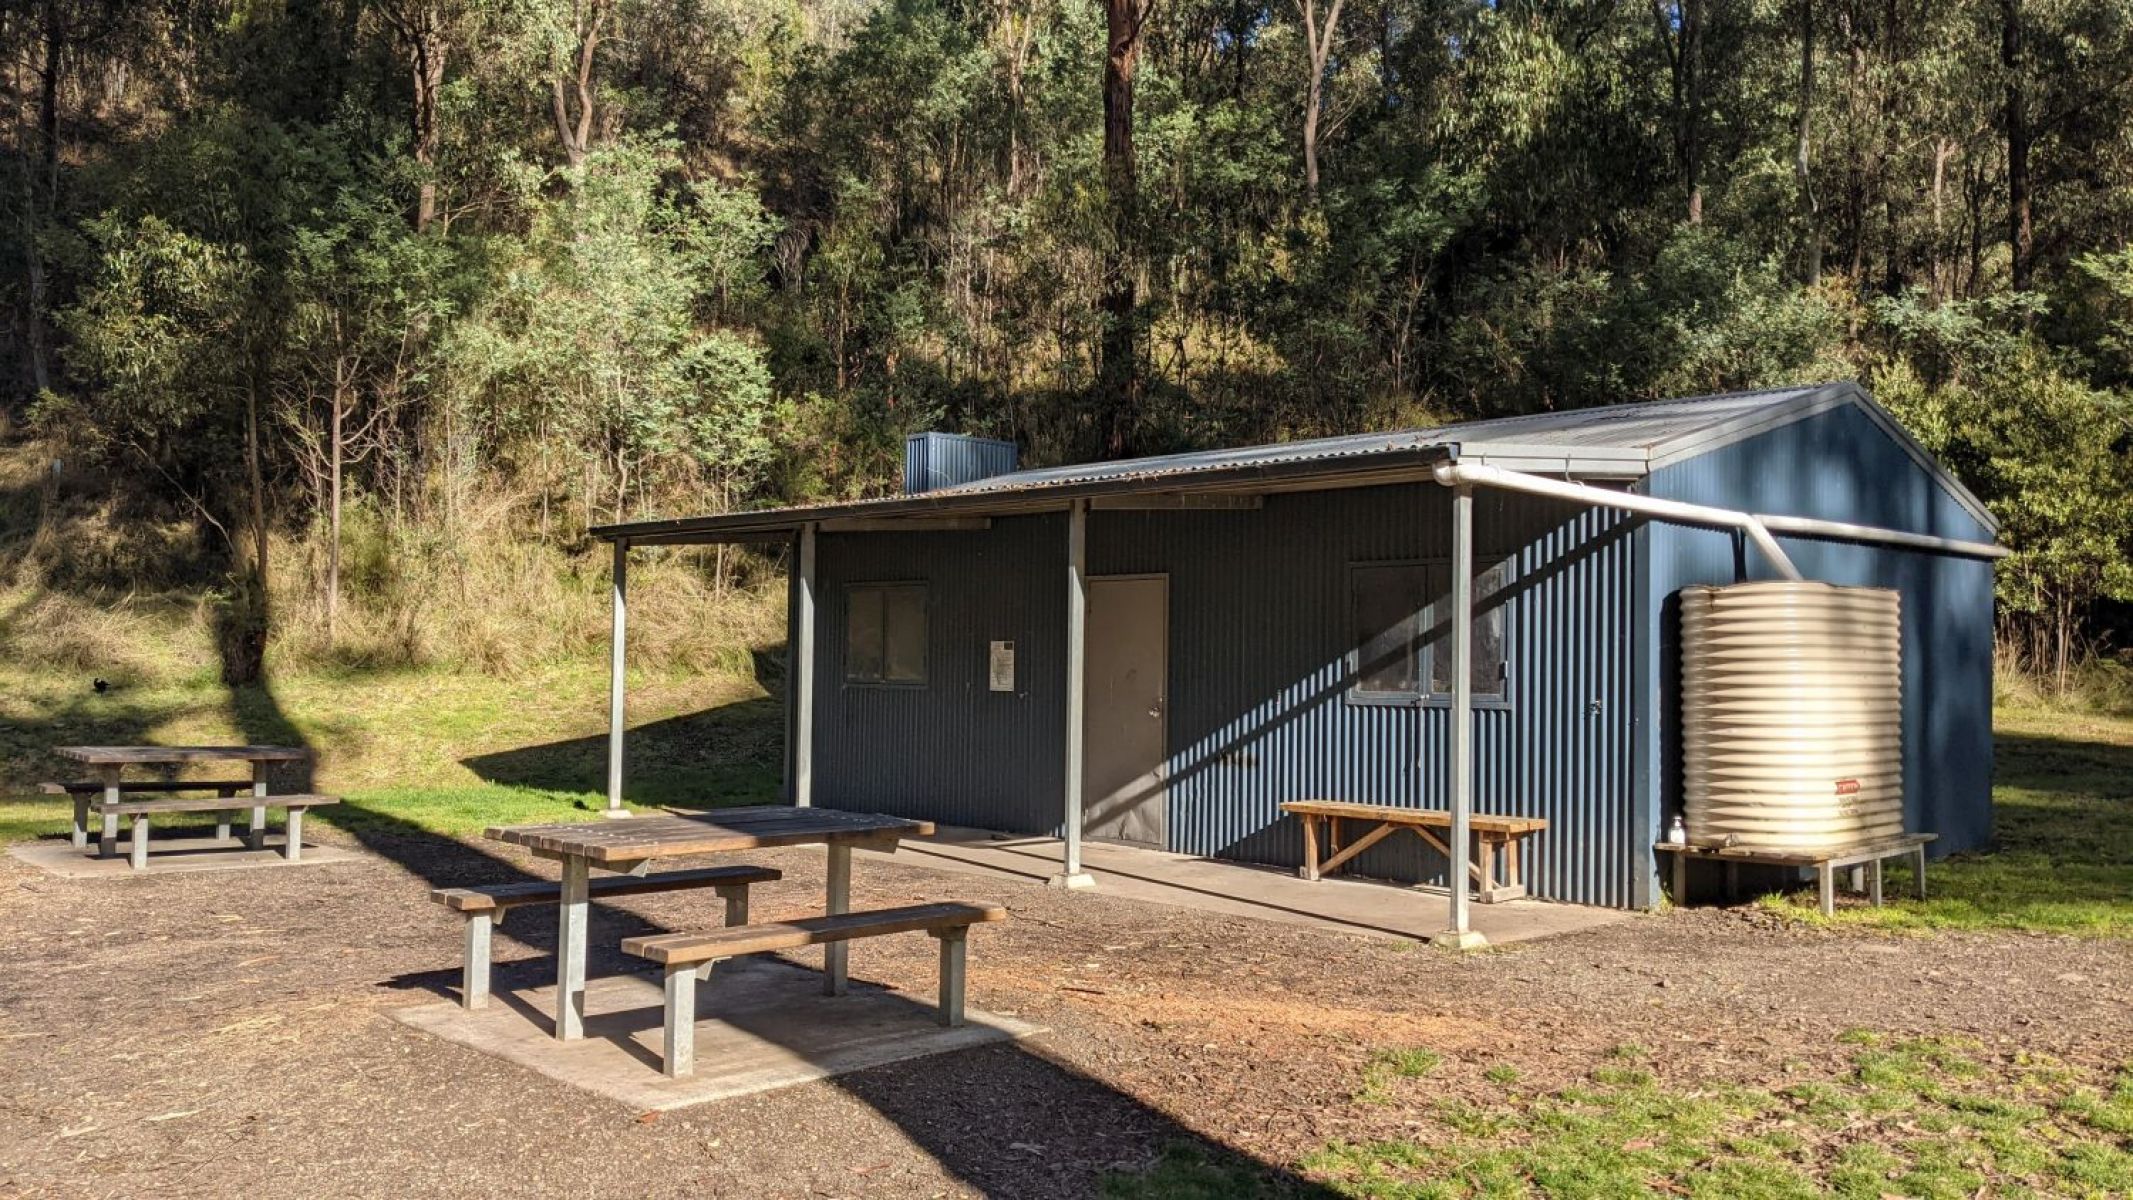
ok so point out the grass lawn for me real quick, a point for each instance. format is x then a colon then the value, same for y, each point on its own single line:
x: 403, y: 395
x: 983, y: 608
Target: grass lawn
x: 2063, y: 803
x: 438, y: 752
x: 1918, y: 1118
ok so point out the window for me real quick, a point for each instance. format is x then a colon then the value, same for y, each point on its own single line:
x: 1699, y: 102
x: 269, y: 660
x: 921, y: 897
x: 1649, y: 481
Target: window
x: 1402, y: 615
x: 885, y: 633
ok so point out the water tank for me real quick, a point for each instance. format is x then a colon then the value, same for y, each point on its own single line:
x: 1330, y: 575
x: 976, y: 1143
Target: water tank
x: 940, y: 460
x: 1792, y: 715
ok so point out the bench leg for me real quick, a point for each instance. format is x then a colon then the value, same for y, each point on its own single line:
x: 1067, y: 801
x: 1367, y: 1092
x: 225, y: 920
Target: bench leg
x: 678, y: 1048
x: 954, y: 951
x: 736, y: 897
x: 1918, y: 869
x: 294, y: 851
x: 836, y: 955
x: 222, y: 826
x: 1310, y: 867
x: 474, y: 982
x: 81, y: 820
x: 1827, y: 879
x: 255, y: 836
x: 1873, y: 883
x: 140, y: 841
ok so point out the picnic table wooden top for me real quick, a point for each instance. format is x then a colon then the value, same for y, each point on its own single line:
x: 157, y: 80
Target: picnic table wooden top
x: 108, y: 756
x: 1435, y: 818
x: 723, y: 832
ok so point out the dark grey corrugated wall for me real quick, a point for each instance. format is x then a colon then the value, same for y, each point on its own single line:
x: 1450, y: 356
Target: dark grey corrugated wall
x: 1259, y: 703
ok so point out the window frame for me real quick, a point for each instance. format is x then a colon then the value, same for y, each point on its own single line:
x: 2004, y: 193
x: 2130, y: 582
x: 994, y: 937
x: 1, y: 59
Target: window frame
x: 882, y: 587
x: 1421, y: 696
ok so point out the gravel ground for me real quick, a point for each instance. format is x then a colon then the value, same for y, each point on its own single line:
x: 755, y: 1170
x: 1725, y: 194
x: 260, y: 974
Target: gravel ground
x: 226, y: 1034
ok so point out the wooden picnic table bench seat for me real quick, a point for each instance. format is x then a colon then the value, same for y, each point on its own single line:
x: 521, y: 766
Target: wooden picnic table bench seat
x: 484, y: 905
x: 1496, y: 833
x: 1863, y: 859
x: 139, y: 811
x: 685, y: 955
x: 83, y: 790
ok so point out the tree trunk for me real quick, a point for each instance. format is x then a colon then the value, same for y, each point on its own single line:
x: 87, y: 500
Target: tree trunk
x: 427, y: 64
x: 2019, y: 233
x: 1810, y: 230
x: 575, y: 130
x: 336, y: 450
x: 1318, y: 50
x: 1121, y: 383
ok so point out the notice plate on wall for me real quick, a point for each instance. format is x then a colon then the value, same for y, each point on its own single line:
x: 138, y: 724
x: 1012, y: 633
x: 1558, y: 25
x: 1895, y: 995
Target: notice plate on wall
x: 1002, y: 670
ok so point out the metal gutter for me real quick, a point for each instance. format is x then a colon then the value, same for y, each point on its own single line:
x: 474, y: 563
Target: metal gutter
x: 1455, y: 474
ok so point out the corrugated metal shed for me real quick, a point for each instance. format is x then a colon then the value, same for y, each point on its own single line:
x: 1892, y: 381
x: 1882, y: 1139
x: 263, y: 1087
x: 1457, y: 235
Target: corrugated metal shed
x: 1260, y: 674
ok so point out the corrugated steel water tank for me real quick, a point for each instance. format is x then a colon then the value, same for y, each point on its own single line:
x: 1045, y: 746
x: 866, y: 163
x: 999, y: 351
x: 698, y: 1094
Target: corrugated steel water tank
x: 939, y: 460
x: 1792, y: 715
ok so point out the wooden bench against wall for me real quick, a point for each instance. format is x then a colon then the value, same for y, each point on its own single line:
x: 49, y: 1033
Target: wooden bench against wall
x: 1498, y: 836
x: 484, y: 906
x: 687, y: 956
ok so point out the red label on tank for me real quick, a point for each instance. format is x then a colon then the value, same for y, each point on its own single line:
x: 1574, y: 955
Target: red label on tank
x: 1847, y: 787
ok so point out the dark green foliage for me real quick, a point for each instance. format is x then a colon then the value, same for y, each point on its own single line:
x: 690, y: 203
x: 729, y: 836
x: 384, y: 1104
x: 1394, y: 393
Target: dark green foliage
x: 618, y: 255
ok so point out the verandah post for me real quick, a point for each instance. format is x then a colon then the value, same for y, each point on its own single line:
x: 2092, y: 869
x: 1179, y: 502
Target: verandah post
x: 618, y: 639
x: 1458, y: 935
x: 1077, y: 621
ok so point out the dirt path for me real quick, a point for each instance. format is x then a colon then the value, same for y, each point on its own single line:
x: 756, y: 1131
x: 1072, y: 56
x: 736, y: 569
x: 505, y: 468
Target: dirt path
x: 225, y: 1034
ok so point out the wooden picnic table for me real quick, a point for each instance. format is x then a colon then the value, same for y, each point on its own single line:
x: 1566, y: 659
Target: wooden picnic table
x: 1495, y: 834
x: 110, y: 763
x: 629, y: 845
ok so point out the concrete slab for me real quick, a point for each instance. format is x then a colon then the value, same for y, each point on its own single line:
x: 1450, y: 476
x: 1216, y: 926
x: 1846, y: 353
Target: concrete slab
x: 761, y: 1024
x: 173, y: 853
x: 1239, y: 889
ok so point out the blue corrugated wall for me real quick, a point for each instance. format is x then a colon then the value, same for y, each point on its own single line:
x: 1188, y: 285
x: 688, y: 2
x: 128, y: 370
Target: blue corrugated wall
x: 1841, y: 466
x: 1259, y: 639
x: 1259, y: 710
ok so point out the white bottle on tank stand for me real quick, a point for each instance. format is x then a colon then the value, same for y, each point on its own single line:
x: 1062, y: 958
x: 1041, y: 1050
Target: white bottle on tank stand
x: 1677, y: 834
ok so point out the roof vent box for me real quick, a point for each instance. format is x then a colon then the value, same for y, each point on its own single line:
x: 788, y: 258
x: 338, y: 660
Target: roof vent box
x: 941, y: 460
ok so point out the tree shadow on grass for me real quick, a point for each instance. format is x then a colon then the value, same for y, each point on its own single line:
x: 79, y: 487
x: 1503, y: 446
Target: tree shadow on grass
x: 716, y: 758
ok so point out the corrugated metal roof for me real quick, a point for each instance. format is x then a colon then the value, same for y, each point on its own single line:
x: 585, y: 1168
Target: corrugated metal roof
x: 1618, y: 442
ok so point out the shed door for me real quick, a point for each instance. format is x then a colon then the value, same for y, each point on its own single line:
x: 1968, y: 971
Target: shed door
x: 1123, y: 741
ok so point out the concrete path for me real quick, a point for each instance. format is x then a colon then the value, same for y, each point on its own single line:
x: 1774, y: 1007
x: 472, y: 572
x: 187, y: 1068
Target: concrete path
x: 170, y: 853
x: 1266, y: 893
x: 762, y: 1024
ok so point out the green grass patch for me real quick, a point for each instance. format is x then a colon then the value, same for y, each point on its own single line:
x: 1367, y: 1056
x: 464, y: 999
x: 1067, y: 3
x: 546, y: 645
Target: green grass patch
x: 1912, y: 1117
x: 2063, y: 863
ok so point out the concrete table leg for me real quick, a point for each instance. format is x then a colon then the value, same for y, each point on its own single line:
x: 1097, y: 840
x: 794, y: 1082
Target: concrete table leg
x: 294, y: 851
x: 107, y: 842
x: 140, y: 841
x: 736, y: 898
x: 81, y: 820
x: 836, y: 955
x: 570, y: 950
x: 256, y: 836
